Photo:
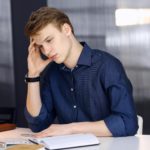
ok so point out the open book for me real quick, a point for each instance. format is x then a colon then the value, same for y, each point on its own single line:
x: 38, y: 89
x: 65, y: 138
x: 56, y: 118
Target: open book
x: 67, y: 141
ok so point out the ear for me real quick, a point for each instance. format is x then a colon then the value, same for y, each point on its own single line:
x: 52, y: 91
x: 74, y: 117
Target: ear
x: 66, y: 29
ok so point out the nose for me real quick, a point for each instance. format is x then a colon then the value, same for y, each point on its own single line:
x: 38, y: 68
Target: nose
x: 46, y: 49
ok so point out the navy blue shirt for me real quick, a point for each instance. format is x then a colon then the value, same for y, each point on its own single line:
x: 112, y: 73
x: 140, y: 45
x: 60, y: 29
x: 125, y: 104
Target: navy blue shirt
x: 96, y: 89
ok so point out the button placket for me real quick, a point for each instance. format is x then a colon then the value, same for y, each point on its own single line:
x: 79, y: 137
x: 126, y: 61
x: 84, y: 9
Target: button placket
x: 74, y: 106
x: 72, y: 90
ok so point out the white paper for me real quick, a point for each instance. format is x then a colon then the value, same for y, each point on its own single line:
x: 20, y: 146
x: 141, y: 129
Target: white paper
x: 68, y: 141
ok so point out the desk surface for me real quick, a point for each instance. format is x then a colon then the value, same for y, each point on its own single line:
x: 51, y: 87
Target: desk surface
x: 139, y: 142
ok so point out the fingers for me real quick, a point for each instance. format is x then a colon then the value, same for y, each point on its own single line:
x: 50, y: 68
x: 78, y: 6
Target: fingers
x: 31, y: 47
x: 44, y: 133
x: 50, y: 131
x: 31, y: 39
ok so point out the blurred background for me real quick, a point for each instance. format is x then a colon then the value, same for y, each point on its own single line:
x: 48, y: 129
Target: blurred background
x: 120, y: 27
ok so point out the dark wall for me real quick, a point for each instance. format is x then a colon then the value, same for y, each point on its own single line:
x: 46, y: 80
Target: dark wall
x: 20, y: 11
x: 143, y: 110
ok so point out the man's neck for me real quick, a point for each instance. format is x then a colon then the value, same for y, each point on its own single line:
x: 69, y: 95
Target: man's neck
x: 75, y: 52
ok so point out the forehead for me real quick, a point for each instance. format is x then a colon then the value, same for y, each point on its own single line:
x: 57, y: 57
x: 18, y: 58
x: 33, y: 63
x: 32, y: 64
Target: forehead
x: 49, y: 30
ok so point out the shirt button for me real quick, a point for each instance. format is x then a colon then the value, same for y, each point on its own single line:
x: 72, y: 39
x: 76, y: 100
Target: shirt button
x: 74, y: 106
x: 71, y: 89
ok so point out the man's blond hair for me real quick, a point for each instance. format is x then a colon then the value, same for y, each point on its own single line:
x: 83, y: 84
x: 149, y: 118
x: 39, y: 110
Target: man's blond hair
x: 44, y: 16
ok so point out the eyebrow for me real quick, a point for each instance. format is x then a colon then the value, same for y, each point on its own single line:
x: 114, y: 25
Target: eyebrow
x: 47, y: 38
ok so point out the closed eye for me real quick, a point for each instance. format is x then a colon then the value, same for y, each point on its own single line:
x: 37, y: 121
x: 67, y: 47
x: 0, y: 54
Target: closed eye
x: 49, y: 40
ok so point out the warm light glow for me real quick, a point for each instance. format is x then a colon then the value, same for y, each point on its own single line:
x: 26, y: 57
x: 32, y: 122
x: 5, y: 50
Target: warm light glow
x: 132, y: 16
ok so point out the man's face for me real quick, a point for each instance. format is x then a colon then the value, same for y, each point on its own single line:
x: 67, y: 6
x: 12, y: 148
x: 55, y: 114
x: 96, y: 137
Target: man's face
x: 53, y: 43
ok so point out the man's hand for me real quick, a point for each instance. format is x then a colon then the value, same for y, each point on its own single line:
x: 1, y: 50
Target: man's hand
x: 54, y: 130
x: 35, y: 63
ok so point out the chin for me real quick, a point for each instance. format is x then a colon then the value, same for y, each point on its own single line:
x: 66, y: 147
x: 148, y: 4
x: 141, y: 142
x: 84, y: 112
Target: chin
x: 58, y: 61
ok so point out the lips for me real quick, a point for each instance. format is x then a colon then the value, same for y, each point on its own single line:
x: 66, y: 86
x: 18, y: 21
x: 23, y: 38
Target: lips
x: 53, y: 56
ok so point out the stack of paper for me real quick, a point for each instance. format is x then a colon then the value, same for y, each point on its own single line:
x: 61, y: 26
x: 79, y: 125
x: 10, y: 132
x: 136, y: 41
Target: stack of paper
x: 67, y: 141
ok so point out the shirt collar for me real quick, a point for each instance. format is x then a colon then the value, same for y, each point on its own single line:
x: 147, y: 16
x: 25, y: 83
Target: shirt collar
x: 84, y: 58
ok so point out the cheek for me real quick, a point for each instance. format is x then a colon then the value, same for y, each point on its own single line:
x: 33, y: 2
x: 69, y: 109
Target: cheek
x: 62, y: 45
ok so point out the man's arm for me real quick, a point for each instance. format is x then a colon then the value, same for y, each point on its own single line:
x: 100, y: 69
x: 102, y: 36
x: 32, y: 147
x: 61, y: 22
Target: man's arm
x: 122, y: 120
x: 33, y: 102
x: 36, y: 111
x: 35, y: 66
x: 98, y: 128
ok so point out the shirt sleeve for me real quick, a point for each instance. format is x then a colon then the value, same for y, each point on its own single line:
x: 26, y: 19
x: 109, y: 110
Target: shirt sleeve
x: 122, y: 120
x: 47, y: 112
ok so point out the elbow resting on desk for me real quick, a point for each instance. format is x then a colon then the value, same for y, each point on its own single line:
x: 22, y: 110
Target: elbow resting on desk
x: 121, y: 125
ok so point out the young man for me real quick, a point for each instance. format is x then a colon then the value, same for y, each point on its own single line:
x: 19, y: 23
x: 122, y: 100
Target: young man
x: 86, y: 89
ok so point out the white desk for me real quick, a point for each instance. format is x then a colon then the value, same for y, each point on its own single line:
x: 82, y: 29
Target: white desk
x: 140, y: 142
